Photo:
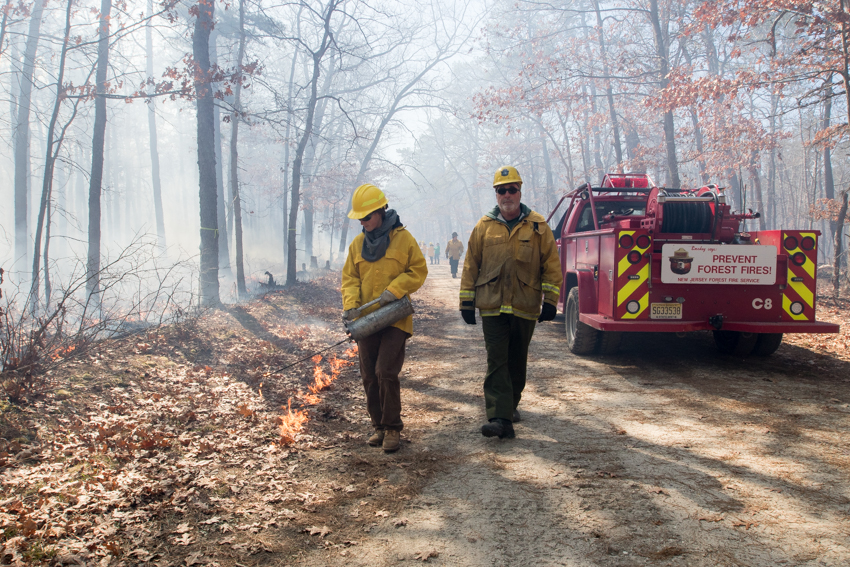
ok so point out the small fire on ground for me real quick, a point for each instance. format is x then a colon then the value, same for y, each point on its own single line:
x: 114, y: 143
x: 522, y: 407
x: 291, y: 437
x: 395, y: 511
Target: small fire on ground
x: 292, y: 422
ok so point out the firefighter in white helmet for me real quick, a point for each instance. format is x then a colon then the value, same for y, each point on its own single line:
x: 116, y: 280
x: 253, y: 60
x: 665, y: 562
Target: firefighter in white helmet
x: 511, y: 267
x: 384, y: 261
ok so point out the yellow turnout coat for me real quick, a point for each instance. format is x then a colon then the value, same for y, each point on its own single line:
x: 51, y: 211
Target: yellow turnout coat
x: 511, y: 271
x: 402, y: 270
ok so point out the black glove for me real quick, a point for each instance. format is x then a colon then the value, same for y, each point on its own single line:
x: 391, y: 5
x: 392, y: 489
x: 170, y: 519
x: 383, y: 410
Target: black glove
x: 468, y: 316
x: 548, y: 313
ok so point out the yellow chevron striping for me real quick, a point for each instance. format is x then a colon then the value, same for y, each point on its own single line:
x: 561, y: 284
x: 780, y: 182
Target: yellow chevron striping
x: 786, y: 306
x: 644, y: 303
x: 627, y: 290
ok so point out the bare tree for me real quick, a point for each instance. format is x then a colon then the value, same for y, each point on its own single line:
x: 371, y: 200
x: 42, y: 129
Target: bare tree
x: 234, y: 156
x: 22, y: 133
x: 316, y: 55
x: 206, y: 153
x: 155, y: 178
x: 98, y: 140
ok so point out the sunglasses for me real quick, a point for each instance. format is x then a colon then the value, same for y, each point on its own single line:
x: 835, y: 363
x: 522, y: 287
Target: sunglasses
x: 503, y: 190
x: 367, y: 217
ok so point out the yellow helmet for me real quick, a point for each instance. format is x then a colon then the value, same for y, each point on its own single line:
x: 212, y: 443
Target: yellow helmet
x: 506, y: 174
x: 367, y: 198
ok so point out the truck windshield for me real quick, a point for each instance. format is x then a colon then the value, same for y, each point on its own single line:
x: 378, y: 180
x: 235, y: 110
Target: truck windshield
x: 603, y: 208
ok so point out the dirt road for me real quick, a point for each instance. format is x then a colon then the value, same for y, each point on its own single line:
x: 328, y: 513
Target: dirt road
x: 666, y: 454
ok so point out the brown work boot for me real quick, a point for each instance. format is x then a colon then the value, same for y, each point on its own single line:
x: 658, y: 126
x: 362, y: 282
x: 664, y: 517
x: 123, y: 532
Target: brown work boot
x: 392, y: 441
x: 377, y: 438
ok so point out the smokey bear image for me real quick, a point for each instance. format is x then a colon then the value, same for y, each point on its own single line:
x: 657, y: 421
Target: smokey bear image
x: 680, y: 262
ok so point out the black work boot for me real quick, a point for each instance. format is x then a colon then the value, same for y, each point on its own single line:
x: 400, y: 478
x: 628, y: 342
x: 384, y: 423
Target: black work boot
x: 497, y: 427
x: 516, y: 417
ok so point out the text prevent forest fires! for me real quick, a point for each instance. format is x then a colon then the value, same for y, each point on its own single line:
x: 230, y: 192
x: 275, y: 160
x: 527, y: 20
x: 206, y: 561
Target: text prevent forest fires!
x: 731, y: 264
x: 719, y: 264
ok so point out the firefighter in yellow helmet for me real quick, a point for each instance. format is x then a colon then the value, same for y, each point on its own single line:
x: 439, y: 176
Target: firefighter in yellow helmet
x: 507, y: 280
x: 384, y: 261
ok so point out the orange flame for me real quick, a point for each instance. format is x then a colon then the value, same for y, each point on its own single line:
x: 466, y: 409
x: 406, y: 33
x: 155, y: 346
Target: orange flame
x: 311, y: 399
x: 322, y: 381
x: 61, y: 352
x: 351, y: 352
x: 290, y: 424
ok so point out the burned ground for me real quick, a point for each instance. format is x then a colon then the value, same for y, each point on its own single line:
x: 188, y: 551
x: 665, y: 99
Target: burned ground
x: 181, y: 447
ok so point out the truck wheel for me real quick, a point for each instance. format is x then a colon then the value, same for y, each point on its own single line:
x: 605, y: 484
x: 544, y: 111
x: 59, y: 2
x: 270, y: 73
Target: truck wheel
x: 581, y: 338
x: 735, y: 342
x: 767, y: 343
x: 608, y: 342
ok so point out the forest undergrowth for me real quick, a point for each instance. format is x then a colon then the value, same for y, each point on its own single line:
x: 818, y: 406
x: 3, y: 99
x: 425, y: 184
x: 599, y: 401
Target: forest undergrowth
x: 185, y: 446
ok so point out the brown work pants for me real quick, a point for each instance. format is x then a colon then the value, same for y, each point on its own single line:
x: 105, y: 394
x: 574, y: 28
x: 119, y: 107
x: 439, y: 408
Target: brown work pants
x: 381, y: 359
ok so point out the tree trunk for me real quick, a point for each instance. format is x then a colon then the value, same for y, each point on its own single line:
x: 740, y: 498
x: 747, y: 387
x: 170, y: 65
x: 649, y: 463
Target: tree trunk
x: 98, y: 140
x: 22, y: 135
x: 47, y: 286
x: 661, y: 51
x: 286, y: 225
x: 50, y: 160
x: 838, y: 243
x: 550, y: 180
x: 828, y: 180
x: 609, y: 91
x: 302, y: 143
x: 208, y: 188
x: 756, y: 179
x: 155, y: 179
x: 221, y: 202
x: 771, y: 172
x: 234, y: 157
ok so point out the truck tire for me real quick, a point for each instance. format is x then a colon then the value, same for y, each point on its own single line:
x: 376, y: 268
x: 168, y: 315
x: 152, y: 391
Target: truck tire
x: 735, y: 342
x: 608, y: 342
x: 581, y: 338
x: 767, y: 344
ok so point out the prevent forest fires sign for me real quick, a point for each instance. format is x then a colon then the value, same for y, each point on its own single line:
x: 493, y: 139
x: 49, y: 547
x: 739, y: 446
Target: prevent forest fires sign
x: 718, y: 264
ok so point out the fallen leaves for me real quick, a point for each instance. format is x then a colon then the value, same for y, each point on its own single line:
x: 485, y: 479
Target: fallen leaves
x: 426, y: 555
x: 185, y: 539
x: 321, y: 532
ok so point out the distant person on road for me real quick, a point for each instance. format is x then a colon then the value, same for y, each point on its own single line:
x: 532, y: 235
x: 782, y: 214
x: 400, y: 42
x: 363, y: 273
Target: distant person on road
x: 431, y: 251
x: 454, y: 250
x: 437, y: 253
x: 384, y: 261
x: 511, y: 266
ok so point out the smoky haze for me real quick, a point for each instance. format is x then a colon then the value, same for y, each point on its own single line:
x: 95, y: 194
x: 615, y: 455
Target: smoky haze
x: 218, y: 142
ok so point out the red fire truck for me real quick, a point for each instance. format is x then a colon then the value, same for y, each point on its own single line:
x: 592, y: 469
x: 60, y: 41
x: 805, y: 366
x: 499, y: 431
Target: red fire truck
x: 642, y: 258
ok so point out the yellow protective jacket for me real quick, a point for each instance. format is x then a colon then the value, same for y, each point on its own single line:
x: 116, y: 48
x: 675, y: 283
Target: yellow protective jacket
x: 454, y: 249
x: 402, y: 270
x: 511, y: 271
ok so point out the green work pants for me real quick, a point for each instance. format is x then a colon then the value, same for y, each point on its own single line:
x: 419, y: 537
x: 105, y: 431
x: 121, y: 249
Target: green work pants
x: 507, y: 338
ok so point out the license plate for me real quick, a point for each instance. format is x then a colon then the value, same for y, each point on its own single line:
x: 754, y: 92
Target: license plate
x: 665, y: 311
